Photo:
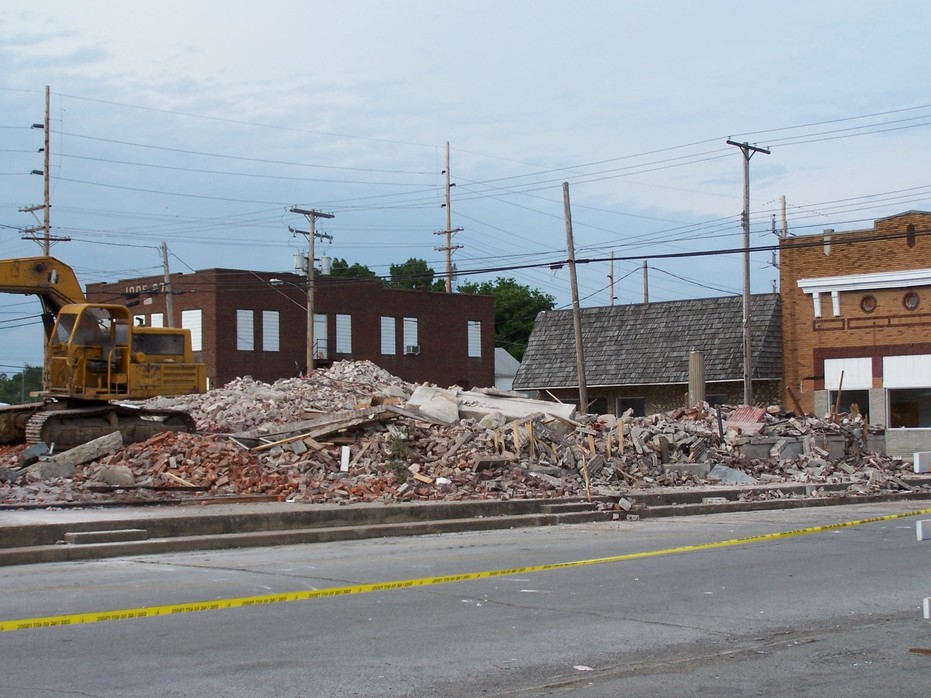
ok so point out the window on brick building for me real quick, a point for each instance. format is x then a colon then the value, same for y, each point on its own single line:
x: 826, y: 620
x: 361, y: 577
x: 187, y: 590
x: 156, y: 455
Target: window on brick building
x: 637, y: 404
x: 910, y: 235
x: 344, y: 334
x: 157, y: 320
x: 411, y: 341
x: 271, y: 331
x: 851, y: 402
x: 245, y: 330
x: 910, y: 300
x: 474, y: 330
x: 321, y: 344
x: 389, y: 342
x: 910, y: 408
x: 193, y: 320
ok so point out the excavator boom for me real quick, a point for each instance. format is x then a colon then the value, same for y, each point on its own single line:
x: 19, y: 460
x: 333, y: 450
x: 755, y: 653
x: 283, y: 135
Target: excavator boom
x: 53, y: 281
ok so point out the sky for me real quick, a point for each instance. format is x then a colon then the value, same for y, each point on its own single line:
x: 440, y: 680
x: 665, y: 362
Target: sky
x: 200, y: 124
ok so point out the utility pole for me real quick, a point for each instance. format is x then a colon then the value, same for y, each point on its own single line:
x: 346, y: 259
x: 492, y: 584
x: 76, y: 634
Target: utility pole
x: 169, y: 301
x: 747, y: 151
x: 449, y: 230
x: 611, y: 278
x: 576, y: 313
x: 312, y: 216
x: 45, y: 226
x: 646, y: 283
x: 782, y: 210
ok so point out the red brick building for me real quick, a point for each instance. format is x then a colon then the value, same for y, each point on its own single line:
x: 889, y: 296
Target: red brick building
x: 857, y: 304
x: 255, y: 323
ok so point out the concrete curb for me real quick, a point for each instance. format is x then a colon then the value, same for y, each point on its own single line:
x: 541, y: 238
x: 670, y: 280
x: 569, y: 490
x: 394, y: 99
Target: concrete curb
x: 102, y: 534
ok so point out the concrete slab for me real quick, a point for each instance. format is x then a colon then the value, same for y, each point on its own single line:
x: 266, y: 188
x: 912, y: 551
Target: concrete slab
x: 923, y: 528
x: 696, y: 469
x: 922, y: 461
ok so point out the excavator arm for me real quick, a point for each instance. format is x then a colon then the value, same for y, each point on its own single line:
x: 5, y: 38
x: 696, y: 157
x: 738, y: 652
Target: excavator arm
x: 53, y: 281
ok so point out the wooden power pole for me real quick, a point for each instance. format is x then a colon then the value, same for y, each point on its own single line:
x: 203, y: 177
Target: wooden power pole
x: 312, y: 216
x: 449, y: 229
x: 576, y: 313
x: 747, y: 151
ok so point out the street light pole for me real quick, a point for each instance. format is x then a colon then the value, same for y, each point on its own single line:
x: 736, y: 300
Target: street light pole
x: 312, y: 216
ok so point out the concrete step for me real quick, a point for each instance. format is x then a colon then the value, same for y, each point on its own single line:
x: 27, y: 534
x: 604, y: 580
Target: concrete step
x: 293, y: 536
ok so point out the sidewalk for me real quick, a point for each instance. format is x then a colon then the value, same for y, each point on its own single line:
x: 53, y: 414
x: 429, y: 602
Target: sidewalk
x: 57, y: 535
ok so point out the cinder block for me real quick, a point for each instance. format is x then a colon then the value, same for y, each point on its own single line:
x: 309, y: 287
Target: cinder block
x: 923, y: 529
x: 922, y: 461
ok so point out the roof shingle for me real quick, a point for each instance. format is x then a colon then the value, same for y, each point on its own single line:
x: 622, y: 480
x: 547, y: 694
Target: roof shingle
x: 649, y: 343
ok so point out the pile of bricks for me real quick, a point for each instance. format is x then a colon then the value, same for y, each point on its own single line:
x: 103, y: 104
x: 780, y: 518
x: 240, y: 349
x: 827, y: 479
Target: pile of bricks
x: 346, y: 435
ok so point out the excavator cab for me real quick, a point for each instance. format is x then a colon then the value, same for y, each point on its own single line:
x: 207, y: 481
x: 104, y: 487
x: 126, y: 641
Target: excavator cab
x: 95, y: 353
x: 88, y: 353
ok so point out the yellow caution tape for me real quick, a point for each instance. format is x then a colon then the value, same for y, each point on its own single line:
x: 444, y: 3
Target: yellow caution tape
x: 250, y: 601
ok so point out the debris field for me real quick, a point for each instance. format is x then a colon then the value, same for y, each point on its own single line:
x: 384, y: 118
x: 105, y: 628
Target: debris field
x: 354, y: 433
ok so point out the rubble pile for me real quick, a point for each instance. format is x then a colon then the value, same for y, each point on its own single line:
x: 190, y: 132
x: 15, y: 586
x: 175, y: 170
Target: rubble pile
x: 244, y: 403
x: 355, y: 433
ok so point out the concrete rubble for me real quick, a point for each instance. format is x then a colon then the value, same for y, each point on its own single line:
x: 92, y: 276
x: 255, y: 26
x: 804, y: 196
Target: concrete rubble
x: 355, y: 433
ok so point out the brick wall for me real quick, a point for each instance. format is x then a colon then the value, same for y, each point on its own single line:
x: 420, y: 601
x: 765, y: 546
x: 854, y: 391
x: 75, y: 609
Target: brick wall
x: 218, y: 293
x: 889, y: 329
x: 665, y: 398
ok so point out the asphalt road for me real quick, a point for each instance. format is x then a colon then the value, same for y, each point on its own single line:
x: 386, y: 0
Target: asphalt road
x: 831, y: 613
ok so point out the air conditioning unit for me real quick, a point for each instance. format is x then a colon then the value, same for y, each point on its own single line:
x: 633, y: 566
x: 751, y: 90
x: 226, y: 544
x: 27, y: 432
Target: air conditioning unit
x: 412, y: 349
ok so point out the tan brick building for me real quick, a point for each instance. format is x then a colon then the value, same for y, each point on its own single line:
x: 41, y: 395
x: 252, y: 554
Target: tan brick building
x: 856, y: 317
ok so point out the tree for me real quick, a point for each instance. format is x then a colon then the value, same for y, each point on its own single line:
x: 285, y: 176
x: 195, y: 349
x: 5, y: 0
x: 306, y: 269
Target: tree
x: 516, y: 307
x: 340, y: 267
x: 15, y: 388
x: 414, y: 273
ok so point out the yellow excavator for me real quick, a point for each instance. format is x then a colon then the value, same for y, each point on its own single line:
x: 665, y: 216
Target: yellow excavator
x: 94, y: 358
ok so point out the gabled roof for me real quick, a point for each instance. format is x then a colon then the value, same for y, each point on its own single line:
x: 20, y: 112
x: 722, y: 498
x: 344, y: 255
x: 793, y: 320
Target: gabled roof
x: 505, y: 364
x: 649, y: 343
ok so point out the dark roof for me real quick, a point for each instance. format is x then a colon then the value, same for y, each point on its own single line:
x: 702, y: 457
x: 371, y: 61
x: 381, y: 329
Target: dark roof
x: 649, y: 343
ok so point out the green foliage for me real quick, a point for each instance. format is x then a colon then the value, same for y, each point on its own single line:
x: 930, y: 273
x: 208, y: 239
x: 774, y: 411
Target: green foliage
x: 340, y: 267
x: 12, y: 387
x: 516, y: 307
x: 414, y: 273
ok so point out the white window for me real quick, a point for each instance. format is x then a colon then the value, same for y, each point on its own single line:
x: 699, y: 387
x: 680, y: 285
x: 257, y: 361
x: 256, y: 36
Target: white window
x: 270, y: 331
x: 344, y: 334
x: 858, y: 374
x: 475, y: 338
x: 193, y: 320
x: 906, y: 371
x: 158, y: 320
x: 245, y: 330
x: 139, y: 320
x: 388, y: 336
x: 321, y: 347
x: 410, y: 332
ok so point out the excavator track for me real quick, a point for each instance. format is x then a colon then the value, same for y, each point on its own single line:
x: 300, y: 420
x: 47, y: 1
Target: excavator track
x: 13, y: 420
x: 70, y: 427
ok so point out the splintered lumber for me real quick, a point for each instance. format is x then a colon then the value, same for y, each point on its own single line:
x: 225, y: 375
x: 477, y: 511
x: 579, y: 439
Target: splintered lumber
x: 359, y: 454
x: 179, y: 480
x: 331, y: 423
x: 460, y: 442
x: 588, y: 482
